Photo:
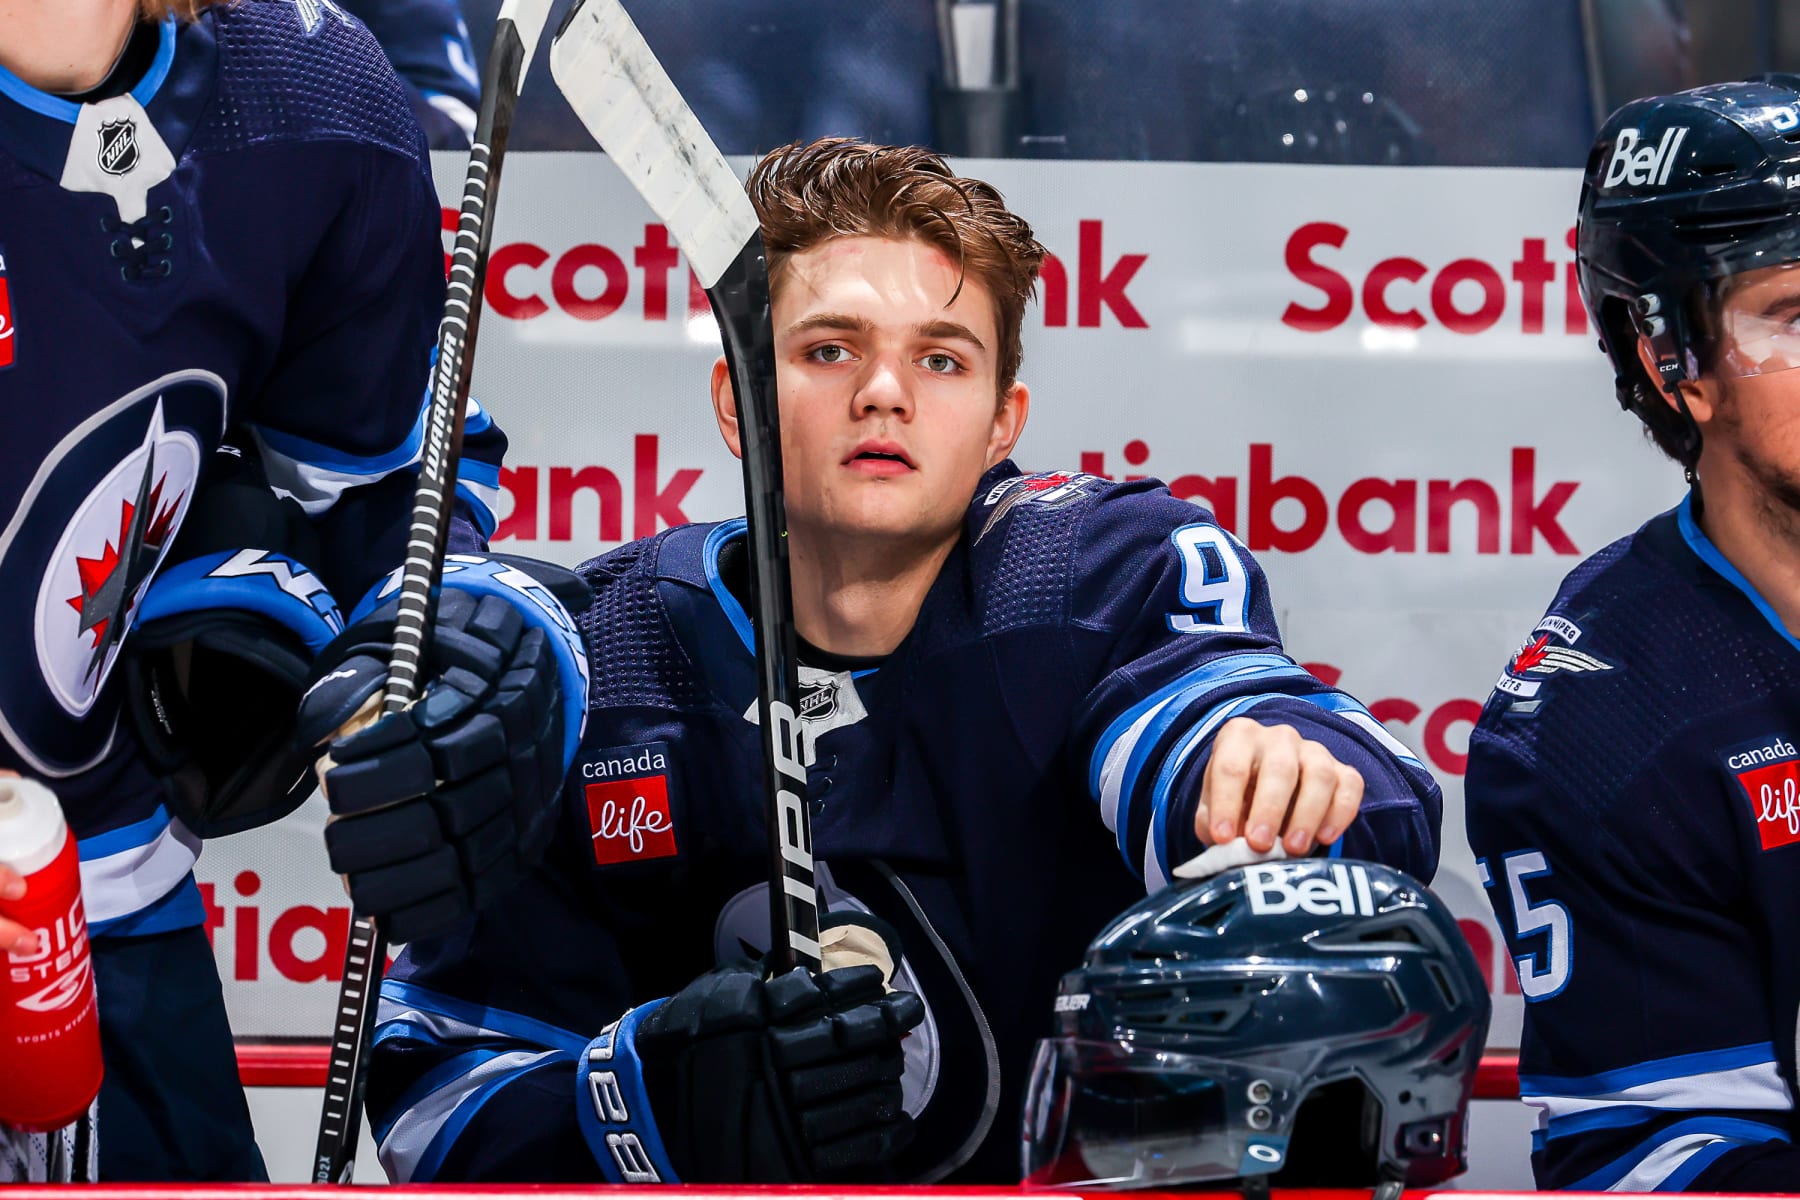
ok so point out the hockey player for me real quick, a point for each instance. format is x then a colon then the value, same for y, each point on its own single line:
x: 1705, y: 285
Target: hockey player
x: 1030, y: 696
x: 212, y: 218
x: 1634, y: 784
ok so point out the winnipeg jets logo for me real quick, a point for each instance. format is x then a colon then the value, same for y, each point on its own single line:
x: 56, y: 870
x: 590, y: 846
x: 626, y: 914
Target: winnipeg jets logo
x: 1540, y: 658
x: 118, y: 147
x: 1053, y: 489
x: 106, y: 558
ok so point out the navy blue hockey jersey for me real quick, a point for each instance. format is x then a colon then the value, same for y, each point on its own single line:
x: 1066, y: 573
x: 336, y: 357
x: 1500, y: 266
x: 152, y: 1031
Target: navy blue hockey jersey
x: 249, y: 238
x: 1633, y: 800
x: 1017, y: 771
x: 428, y: 43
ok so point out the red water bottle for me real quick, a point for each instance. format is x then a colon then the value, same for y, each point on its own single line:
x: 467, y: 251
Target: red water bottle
x: 49, y: 1028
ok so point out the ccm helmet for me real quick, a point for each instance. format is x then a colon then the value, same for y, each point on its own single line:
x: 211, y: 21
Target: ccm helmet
x: 1683, y: 195
x: 1316, y: 1021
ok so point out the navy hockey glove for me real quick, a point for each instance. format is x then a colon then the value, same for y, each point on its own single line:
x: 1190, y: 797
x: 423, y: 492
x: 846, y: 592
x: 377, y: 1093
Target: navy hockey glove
x: 221, y: 648
x: 442, y: 807
x: 751, y: 1081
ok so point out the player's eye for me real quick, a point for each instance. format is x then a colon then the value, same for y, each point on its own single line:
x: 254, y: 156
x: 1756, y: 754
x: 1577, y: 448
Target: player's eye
x: 940, y: 364
x: 829, y: 354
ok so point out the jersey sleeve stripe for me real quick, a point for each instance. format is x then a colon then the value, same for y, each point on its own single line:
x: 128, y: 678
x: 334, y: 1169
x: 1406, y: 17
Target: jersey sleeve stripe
x: 1613, y: 1116
x: 419, y: 1140
x: 125, y: 875
x: 1651, y: 1164
x: 1745, y: 1070
x: 444, y: 1074
x: 1156, y: 854
x: 1352, y: 710
x: 449, y: 1020
x: 316, y: 475
x: 1230, y: 666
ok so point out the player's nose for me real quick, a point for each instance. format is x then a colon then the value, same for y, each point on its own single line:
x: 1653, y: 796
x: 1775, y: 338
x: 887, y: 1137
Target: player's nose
x: 884, y: 390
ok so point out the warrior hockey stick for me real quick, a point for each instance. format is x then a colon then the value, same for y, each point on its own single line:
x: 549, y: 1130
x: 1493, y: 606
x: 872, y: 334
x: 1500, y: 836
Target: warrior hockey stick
x: 625, y: 98
x: 516, y: 34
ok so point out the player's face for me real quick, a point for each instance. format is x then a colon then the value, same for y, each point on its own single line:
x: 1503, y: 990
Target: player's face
x: 63, y: 45
x: 1754, y: 397
x: 887, y: 373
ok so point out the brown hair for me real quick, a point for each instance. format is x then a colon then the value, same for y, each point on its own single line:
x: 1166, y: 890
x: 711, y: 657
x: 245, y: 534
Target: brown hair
x: 807, y: 193
x: 181, y: 10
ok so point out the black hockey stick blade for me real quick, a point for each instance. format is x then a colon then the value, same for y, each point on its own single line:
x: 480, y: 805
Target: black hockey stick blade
x: 516, y: 33
x: 625, y: 99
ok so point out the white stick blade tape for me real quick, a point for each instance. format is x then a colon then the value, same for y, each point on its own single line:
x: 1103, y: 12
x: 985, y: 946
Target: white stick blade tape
x: 528, y: 18
x: 624, y: 97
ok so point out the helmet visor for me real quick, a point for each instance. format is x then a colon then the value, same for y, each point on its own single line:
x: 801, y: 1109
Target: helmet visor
x: 1757, y: 320
x: 1123, y: 1115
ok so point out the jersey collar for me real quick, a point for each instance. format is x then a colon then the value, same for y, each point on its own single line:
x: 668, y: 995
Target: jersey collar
x: 36, y: 125
x: 58, y: 109
x: 1700, y: 544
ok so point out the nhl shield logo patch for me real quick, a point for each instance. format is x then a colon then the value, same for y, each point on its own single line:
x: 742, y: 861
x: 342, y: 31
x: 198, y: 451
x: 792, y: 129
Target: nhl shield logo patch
x: 118, y: 147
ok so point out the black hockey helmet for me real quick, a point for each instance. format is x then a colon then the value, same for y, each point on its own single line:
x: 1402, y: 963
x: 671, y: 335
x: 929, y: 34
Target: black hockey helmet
x: 1329, y: 1004
x: 1681, y: 193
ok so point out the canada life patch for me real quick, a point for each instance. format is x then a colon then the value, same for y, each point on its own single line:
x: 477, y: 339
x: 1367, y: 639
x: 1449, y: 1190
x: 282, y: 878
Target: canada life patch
x: 6, y: 317
x: 1768, y: 772
x: 627, y: 791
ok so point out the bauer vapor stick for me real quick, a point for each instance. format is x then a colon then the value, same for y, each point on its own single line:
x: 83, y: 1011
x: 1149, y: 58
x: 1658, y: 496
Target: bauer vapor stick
x: 516, y: 34
x: 625, y: 98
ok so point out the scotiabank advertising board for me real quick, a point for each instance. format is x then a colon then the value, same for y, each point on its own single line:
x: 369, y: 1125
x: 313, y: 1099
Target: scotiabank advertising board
x: 1381, y: 379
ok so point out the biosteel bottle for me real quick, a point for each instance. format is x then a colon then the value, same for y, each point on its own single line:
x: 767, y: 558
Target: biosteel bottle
x: 49, y: 1028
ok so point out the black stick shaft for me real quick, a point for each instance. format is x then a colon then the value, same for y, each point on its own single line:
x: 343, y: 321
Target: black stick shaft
x: 740, y: 300
x: 365, y: 956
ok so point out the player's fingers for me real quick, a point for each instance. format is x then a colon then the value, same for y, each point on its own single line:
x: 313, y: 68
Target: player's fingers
x: 12, y: 884
x: 1227, y: 781
x: 1312, y: 799
x: 1277, y: 777
x: 1346, y: 802
x: 15, y: 938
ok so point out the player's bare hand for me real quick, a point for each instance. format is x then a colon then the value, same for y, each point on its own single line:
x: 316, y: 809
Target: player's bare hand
x: 13, y: 936
x: 1266, y: 782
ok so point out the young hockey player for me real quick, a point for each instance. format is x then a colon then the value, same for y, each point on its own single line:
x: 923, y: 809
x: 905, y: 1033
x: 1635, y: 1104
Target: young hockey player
x: 1634, y: 783
x: 211, y: 218
x: 1030, y: 697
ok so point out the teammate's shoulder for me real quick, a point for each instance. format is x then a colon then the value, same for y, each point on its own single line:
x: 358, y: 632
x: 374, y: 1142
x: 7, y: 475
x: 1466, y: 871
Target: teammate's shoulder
x: 304, y: 70
x: 1611, y: 670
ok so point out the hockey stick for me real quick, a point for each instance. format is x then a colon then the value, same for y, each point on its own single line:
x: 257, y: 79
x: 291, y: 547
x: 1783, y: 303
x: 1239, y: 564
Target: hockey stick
x: 516, y: 34
x: 625, y: 98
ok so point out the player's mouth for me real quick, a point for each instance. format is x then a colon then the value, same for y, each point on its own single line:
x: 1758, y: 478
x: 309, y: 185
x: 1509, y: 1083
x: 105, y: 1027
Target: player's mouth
x: 881, y: 459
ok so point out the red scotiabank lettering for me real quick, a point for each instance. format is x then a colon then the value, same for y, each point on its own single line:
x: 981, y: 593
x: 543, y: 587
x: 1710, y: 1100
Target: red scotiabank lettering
x: 654, y: 504
x: 1373, y: 515
x: 592, y: 282
x: 1465, y: 295
x: 281, y: 949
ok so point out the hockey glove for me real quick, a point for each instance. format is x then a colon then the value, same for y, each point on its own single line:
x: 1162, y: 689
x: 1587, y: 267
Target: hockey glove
x: 442, y: 807
x: 221, y: 647
x: 785, y: 1080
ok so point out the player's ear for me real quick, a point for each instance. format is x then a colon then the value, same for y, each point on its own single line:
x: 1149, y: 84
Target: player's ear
x: 1699, y: 394
x: 1009, y: 422
x: 725, y: 407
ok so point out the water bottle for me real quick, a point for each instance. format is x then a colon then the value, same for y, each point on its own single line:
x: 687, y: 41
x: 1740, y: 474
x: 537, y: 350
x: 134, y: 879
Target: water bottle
x: 49, y: 1028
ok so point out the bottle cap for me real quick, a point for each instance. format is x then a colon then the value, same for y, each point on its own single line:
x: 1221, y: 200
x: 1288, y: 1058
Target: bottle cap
x: 32, y: 830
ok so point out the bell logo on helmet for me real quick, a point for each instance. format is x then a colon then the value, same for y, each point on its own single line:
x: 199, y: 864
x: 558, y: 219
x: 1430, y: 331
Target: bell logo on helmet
x: 1345, y: 894
x: 1641, y: 165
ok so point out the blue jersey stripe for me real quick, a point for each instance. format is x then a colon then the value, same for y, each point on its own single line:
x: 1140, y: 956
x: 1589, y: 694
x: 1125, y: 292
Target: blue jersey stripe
x: 1653, y: 1071
x: 514, y: 1025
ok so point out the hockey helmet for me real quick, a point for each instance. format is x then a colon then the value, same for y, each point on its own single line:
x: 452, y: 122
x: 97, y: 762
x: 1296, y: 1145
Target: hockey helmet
x: 1315, y: 1021
x: 1683, y: 197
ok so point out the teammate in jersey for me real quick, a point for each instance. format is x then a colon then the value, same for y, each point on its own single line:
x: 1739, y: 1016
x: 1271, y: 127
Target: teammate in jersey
x: 1634, y: 784
x: 428, y: 43
x: 213, y: 218
x: 1030, y: 697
